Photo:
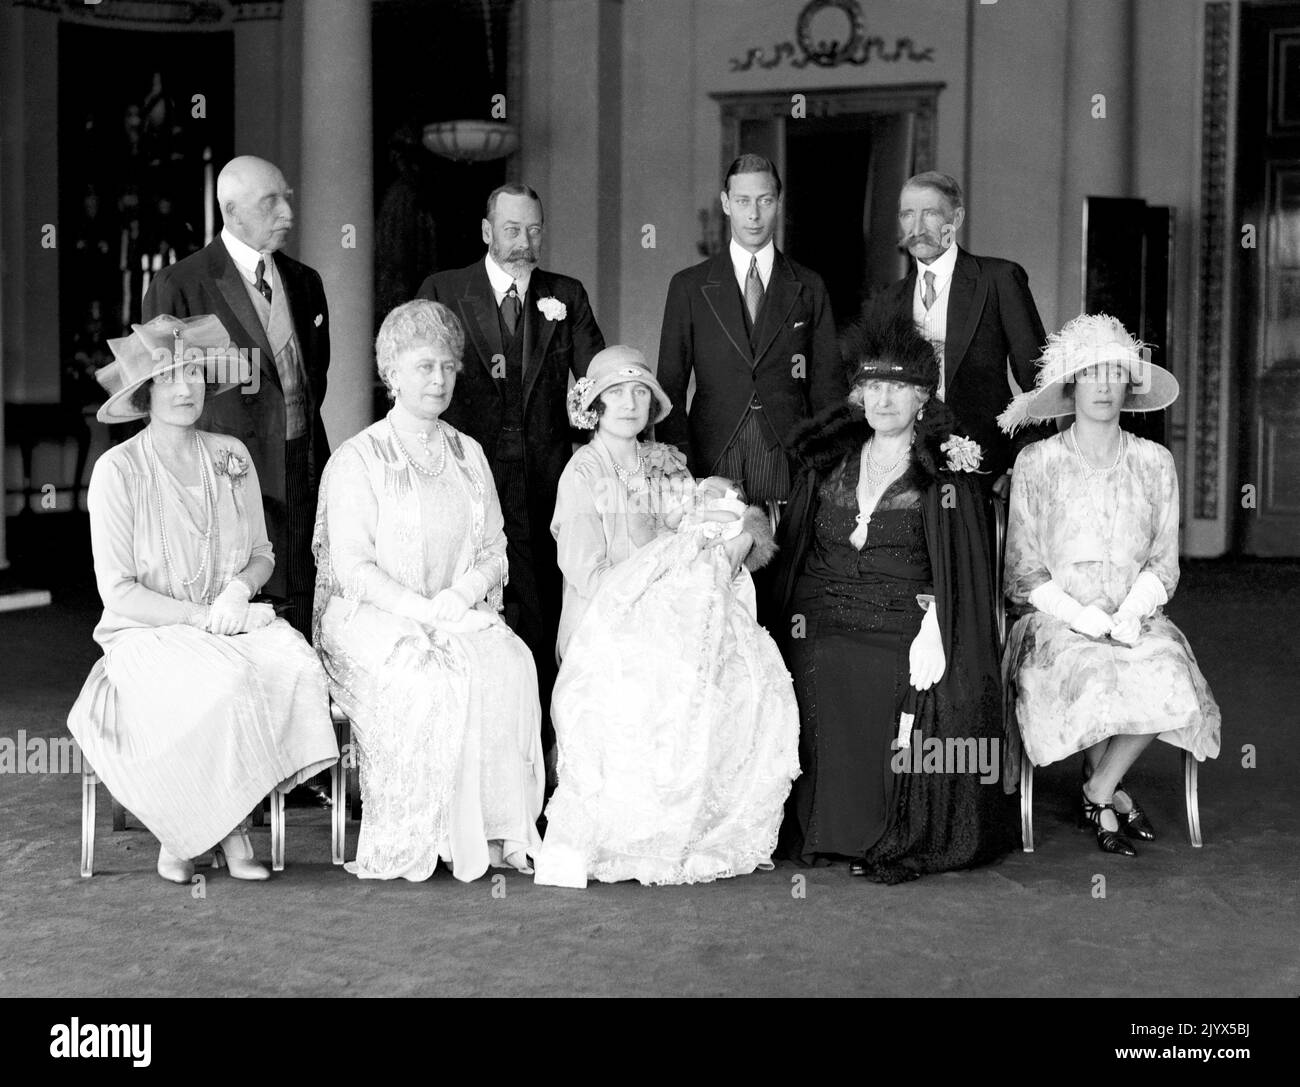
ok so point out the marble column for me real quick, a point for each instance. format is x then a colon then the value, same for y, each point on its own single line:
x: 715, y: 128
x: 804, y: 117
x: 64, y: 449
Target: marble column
x: 1100, y: 55
x: 258, y: 75
x: 335, y: 200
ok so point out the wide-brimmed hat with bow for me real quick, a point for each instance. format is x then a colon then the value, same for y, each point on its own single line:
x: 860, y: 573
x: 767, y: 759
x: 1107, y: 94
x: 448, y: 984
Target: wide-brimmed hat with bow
x: 159, y: 346
x: 1089, y: 339
x: 610, y: 367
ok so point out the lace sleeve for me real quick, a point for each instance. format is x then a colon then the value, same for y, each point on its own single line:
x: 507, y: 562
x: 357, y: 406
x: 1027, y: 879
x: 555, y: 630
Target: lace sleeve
x: 486, y: 579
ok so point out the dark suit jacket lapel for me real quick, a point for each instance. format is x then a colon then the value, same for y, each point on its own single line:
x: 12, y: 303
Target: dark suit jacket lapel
x: 723, y: 297
x: 230, y: 283
x: 295, y: 290
x: 967, y: 294
x: 782, y: 290
x: 478, y: 312
x: 537, y: 329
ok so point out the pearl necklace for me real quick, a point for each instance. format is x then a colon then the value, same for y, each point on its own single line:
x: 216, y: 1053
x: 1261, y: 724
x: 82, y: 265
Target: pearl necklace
x: 876, y: 477
x: 875, y: 471
x: 424, y: 440
x: 625, y: 475
x: 210, y: 537
x: 1088, y: 469
x: 1091, y: 474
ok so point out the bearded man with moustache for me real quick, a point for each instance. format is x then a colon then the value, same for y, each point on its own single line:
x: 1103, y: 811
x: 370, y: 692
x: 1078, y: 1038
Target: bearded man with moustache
x: 976, y: 311
x: 526, y: 331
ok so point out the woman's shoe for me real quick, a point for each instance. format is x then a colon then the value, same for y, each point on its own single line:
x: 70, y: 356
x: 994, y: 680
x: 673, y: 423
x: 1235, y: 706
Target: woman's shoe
x: 1134, y: 822
x: 1108, y: 841
x: 236, y: 853
x: 175, y: 869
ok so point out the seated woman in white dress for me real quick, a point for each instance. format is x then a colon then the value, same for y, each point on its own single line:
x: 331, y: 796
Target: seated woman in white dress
x: 411, y: 560
x: 675, y: 719
x: 202, y: 702
x: 1092, y: 547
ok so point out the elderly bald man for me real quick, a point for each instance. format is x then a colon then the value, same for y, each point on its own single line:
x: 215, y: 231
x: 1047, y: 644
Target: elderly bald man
x: 274, y: 307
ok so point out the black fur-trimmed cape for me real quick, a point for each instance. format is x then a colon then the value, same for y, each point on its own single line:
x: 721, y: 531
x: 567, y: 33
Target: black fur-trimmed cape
x: 939, y: 821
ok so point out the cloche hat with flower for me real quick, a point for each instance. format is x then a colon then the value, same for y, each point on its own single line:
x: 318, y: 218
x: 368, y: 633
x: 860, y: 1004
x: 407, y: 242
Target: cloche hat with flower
x: 610, y: 367
x: 155, y: 348
x: 1089, y: 339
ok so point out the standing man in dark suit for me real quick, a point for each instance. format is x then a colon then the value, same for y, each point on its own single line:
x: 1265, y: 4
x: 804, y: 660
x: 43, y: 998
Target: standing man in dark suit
x: 978, y: 313
x: 273, y: 308
x: 756, y: 330
x: 526, y: 330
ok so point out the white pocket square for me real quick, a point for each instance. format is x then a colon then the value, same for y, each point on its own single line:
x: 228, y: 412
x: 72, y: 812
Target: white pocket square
x: 800, y: 324
x: 320, y: 319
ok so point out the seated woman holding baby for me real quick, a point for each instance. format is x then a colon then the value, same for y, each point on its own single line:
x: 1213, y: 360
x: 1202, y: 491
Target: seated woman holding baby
x: 675, y: 718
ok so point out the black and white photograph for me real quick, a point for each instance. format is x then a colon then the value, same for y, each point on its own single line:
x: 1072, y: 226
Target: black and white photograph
x: 651, y: 499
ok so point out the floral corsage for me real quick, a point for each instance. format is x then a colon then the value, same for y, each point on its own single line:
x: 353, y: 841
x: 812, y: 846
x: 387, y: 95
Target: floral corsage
x: 231, y: 465
x: 583, y: 420
x: 964, y: 454
x: 552, y: 309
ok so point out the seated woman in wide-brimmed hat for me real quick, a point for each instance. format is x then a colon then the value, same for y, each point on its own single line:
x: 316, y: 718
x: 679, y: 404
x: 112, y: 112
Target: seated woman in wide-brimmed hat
x: 1092, y: 548
x: 675, y: 721
x: 202, y: 702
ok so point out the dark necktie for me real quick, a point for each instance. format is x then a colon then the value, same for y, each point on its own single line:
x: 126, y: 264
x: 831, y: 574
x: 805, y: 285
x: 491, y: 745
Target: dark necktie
x: 928, y: 295
x: 753, y: 290
x: 264, y: 288
x: 510, y: 307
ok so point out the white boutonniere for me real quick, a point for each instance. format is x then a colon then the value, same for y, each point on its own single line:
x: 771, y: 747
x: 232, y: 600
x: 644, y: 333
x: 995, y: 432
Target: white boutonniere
x: 964, y: 454
x: 552, y: 309
x: 231, y: 465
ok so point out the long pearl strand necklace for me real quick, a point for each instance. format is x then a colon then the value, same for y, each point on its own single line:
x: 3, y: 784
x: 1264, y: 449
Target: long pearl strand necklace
x: 876, y: 478
x: 425, y: 442
x: 1092, y: 476
x: 210, y: 536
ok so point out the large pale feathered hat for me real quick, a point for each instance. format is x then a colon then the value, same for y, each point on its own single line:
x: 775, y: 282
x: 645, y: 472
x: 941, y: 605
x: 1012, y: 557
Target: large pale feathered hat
x: 1089, y: 339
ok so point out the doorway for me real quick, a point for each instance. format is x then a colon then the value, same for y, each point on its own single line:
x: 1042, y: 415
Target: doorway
x: 842, y: 166
x: 1268, y: 188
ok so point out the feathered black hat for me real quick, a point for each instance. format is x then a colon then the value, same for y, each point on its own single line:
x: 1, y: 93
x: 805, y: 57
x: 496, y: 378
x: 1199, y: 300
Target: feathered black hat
x: 885, y: 343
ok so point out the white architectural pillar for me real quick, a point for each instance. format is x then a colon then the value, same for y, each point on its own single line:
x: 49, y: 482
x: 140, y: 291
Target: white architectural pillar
x: 1100, y: 55
x: 335, y: 200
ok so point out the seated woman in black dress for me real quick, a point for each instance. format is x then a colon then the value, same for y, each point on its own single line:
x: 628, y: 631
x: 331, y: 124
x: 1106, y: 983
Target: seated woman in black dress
x: 884, y: 587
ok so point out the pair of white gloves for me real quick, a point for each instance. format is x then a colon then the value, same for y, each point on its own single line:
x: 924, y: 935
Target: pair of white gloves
x: 448, y: 611
x: 1124, y: 625
x: 231, y: 612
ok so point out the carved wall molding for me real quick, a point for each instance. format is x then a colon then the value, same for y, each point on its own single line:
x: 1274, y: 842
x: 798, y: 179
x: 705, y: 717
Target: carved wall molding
x: 152, y: 14
x: 1215, y: 100
x: 852, y: 46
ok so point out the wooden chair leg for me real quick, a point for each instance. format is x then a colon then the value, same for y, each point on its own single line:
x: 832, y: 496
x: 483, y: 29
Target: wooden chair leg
x: 88, y: 783
x: 1026, y: 803
x: 277, y: 831
x: 1193, y: 799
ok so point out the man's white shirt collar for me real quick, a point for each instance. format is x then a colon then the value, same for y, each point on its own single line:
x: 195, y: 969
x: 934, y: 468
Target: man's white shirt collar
x: 246, y: 258
x: 942, y: 266
x: 740, y: 258
x: 501, y: 279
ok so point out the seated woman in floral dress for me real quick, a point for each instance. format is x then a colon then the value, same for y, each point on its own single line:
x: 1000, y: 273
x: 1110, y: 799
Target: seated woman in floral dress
x: 411, y: 559
x: 1092, y: 548
x: 675, y: 721
x: 202, y: 702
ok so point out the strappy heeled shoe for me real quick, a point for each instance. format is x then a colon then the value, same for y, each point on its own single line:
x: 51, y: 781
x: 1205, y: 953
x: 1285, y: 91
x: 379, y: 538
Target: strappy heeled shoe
x: 1108, y: 841
x: 1134, y: 822
x: 236, y: 853
x: 175, y: 869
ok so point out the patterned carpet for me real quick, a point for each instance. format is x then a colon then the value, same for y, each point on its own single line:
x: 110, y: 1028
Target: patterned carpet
x: 1174, y: 921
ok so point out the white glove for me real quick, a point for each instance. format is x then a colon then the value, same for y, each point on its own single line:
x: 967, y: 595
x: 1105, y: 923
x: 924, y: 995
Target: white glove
x: 925, y: 658
x: 1147, y: 594
x: 1056, y: 602
x: 448, y: 606
x: 228, y: 611
x: 259, y: 616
